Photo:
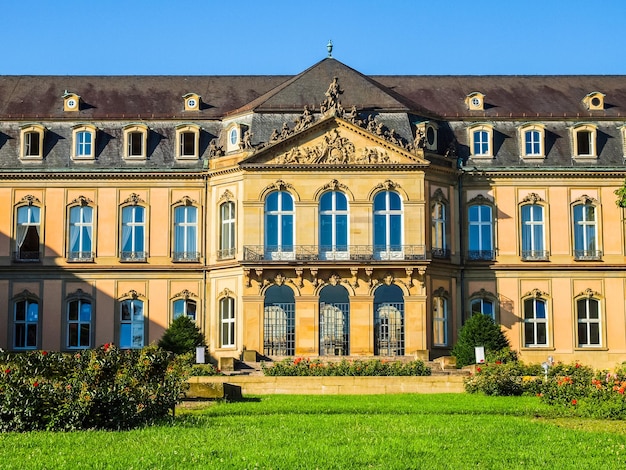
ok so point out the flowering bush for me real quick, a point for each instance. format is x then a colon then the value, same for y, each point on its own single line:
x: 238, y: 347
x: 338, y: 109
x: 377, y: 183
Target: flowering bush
x: 204, y: 370
x: 104, y: 388
x: 373, y: 367
x: 499, y: 379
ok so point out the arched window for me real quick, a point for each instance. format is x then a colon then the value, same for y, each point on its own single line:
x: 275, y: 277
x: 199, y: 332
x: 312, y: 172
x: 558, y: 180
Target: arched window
x: 227, y: 230
x: 26, y: 320
x: 132, y: 324
x: 334, y: 321
x: 79, y: 323
x: 133, y: 242
x: 184, y: 307
x: 279, y: 326
x: 388, y: 225
x: 279, y: 226
x: 439, y: 225
x: 27, y: 239
x: 333, y: 214
x: 535, y: 322
x: 388, y: 321
x: 227, y: 322
x: 481, y: 137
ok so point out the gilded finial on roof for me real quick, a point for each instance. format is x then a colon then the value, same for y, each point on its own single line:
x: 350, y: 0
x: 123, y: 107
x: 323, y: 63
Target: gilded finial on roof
x: 329, y: 46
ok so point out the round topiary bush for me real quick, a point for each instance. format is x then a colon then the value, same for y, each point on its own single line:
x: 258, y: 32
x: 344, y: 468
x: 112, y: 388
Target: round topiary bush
x: 182, y: 336
x: 479, y: 330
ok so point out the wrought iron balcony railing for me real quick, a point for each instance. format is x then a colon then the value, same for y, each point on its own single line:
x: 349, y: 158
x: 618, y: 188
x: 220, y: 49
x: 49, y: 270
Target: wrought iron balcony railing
x: 26, y: 256
x: 337, y: 253
x: 481, y: 255
x: 133, y: 256
x: 186, y: 256
x: 440, y: 253
x: 80, y: 256
x: 535, y: 255
x: 587, y: 255
x: 227, y: 253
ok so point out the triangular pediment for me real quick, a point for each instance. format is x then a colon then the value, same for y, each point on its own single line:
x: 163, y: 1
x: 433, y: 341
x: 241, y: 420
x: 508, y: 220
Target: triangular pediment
x: 335, y: 141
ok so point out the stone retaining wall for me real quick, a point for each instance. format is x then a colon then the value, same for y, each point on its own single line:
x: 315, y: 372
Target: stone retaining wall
x: 262, y: 385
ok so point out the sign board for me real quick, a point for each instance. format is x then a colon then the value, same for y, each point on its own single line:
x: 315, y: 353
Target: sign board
x: 480, y: 354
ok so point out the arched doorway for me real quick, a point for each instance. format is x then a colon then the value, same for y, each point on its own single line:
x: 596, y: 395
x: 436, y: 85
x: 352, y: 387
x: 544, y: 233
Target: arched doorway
x: 334, y: 321
x: 279, y: 325
x: 388, y: 321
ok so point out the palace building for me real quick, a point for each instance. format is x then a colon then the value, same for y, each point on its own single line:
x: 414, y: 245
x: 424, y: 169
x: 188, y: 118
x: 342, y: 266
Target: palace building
x: 324, y: 214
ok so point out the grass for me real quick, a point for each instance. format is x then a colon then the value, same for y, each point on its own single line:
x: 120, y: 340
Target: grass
x: 338, y: 432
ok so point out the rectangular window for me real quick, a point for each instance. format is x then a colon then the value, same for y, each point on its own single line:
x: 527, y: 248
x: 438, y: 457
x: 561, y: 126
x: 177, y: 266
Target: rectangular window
x: 227, y: 318
x: 187, y: 144
x: 439, y: 245
x: 440, y: 321
x: 533, y: 233
x: 186, y: 234
x: 533, y: 143
x: 79, y: 324
x: 185, y: 307
x: 83, y: 144
x: 133, y: 234
x: 584, y: 144
x: 483, y: 306
x: 131, y: 324
x: 135, y: 144
x: 227, y: 235
x: 481, y: 143
x: 535, y: 323
x: 25, y: 324
x: 588, y: 312
x: 80, y: 233
x: 27, y: 234
x: 31, y: 144
x: 585, y: 233
x: 480, y: 233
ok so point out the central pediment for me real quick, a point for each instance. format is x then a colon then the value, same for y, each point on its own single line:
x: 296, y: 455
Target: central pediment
x: 334, y: 141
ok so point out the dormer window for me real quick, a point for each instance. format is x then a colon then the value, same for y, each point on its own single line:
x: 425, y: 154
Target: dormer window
x: 135, y: 141
x: 188, y: 136
x: 594, y: 101
x: 475, y: 101
x: 584, y: 141
x: 481, y: 138
x: 71, y: 101
x: 84, y: 142
x: 31, y: 138
x: 233, y: 137
x: 192, y: 102
x: 532, y: 141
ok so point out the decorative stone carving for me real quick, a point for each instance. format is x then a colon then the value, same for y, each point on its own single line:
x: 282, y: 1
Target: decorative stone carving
x: 246, y: 277
x: 279, y: 280
x: 333, y: 150
x: 483, y: 294
x: 373, y: 156
x: 81, y: 201
x: 305, y: 120
x: 441, y: 292
x: 388, y: 279
x: 368, y: 273
x: 215, y: 150
x: 355, y: 280
x: 246, y: 141
x: 438, y: 196
x: 533, y: 198
x: 225, y: 293
x: 409, y: 276
x: 585, y: 199
x: 226, y: 196
x: 30, y: 200
x: 299, y: 282
x: 334, y: 279
x: 589, y: 293
x: 314, y: 279
x: 331, y: 103
x: 535, y: 293
x: 185, y: 294
x: 480, y: 199
x: 387, y: 185
x: 185, y: 201
x: 133, y: 199
x: 131, y: 294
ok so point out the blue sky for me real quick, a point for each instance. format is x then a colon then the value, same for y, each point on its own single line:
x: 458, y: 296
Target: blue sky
x: 260, y: 37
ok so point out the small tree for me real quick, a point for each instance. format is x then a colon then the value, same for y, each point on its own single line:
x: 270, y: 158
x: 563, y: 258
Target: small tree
x: 479, y: 330
x: 182, y: 336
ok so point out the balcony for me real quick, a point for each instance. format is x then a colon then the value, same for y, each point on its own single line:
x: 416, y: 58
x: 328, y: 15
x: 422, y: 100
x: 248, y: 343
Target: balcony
x: 136, y: 256
x: 80, y: 256
x: 345, y: 253
x: 587, y: 255
x: 227, y: 253
x: 23, y: 256
x: 535, y: 255
x: 481, y: 255
x: 441, y: 253
x: 186, y: 256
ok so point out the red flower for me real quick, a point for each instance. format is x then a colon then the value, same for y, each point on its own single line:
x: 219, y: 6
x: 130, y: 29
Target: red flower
x: 498, y: 362
x: 574, y: 402
x: 106, y: 346
x: 35, y: 384
x: 577, y: 365
x: 478, y: 369
x: 44, y: 353
x: 297, y: 361
x: 7, y: 371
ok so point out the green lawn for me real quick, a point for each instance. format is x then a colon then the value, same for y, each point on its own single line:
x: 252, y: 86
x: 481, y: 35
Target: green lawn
x: 339, y: 432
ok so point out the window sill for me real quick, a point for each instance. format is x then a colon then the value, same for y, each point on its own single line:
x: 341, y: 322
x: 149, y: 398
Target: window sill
x: 590, y: 348
x: 538, y: 348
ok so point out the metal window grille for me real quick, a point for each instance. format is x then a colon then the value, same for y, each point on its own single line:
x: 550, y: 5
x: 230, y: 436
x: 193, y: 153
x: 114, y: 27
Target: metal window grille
x: 279, y: 329
x: 334, y: 329
x: 389, y: 329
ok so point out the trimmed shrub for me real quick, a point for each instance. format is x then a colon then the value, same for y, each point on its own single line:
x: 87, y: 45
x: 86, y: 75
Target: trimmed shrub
x: 479, y: 330
x: 104, y: 388
x: 374, y: 367
x: 182, y: 336
x: 500, y: 379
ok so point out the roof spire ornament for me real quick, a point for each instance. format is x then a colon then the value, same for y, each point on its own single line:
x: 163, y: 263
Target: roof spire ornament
x: 329, y: 46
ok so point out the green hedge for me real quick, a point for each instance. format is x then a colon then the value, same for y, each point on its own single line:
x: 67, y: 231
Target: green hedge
x: 104, y: 388
x: 374, y: 367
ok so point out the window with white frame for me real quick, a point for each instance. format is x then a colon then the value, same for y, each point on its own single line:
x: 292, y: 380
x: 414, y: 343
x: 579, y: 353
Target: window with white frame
x: 84, y: 142
x: 133, y: 234
x: 532, y: 140
x: 584, y: 141
x: 26, y: 323
x: 79, y: 323
x: 440, y: 321
x: 227, y: 230
x: 480, y: 232
x: 188, y: 136
x: 589, y: 322
x: 32, y: 138
x: 135, y: 141
x: 184, y: 308
x: 279, y: 225
x: 388, y: 215
x: 186, y: 234
x: 333, y: 214
x: 132, y: 324
x: 27, y: 233
x: 586, y: 232
x: 481, y: 137
x: 533, y: 232
x: 484, y: 306
x: 227, y: 321
x: 439, y: 242
x: 80, y: 244
x: 535, y: 322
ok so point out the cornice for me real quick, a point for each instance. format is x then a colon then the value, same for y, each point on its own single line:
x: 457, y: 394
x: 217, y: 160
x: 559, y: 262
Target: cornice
x: 53, y: 174
x: 549, y: 173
